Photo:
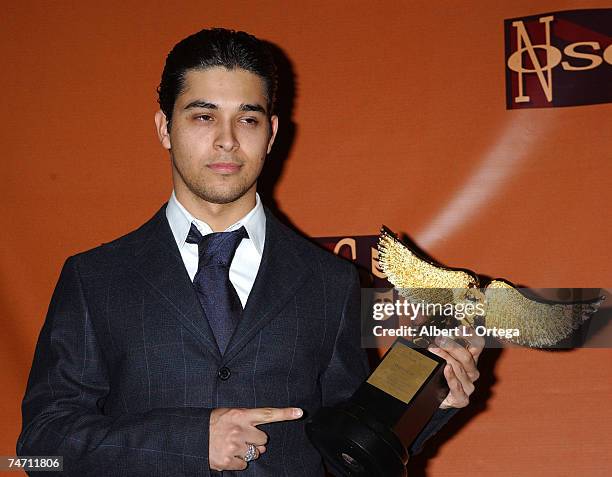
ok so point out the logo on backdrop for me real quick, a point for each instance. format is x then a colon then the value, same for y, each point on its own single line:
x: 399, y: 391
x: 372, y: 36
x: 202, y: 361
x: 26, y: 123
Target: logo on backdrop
x: 362, y: 250
x: 559, y: 59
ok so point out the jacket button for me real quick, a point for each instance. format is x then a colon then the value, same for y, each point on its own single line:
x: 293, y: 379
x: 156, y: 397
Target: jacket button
x: 224, y: 374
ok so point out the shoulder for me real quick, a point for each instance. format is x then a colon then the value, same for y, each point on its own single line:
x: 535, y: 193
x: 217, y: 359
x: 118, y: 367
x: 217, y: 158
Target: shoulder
x: 314, y: 256
x: 123, y: 247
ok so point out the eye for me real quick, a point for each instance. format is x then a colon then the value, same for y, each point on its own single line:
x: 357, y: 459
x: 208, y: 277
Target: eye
x: 249, y: 120
x: 203, y: 117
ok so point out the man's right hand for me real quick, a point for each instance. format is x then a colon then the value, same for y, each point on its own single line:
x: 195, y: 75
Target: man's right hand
x: 233, y: 429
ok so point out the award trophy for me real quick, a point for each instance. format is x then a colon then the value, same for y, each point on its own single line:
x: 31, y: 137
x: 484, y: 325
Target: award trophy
x: 368, y: 435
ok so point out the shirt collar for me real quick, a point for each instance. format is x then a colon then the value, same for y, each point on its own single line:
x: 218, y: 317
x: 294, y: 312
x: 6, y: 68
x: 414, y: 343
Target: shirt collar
x: 180, y: 221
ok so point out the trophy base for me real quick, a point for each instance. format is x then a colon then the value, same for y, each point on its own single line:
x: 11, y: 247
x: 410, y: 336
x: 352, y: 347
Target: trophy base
x: 352, y: 443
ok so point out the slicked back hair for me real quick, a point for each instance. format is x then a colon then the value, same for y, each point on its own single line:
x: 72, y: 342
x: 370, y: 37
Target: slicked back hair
x: 213, y: 48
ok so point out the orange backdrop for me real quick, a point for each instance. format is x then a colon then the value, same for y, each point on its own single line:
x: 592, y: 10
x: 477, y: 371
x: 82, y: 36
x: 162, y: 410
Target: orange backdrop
x: 399, y: 118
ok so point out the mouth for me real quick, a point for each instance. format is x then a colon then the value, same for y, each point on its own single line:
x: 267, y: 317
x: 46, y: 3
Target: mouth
x: 224, y: 167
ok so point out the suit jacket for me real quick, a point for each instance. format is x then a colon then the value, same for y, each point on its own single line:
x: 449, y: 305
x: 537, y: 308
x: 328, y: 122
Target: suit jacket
x: 126, y: 369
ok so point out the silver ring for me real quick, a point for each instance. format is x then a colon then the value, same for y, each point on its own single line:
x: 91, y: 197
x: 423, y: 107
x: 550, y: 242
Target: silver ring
x: 251, y: 453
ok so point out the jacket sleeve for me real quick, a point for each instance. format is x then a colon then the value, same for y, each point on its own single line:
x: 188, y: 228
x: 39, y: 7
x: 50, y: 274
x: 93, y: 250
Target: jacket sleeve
x: 348, y: 366
x: 63, y: 405
x: 437, y: 421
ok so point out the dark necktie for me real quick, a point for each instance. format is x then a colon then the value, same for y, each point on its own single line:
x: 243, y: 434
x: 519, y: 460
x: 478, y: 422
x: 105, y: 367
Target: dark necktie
x: 216, y: 293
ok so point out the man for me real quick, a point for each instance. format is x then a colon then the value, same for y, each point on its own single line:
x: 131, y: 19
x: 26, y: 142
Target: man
x: 196, y: 343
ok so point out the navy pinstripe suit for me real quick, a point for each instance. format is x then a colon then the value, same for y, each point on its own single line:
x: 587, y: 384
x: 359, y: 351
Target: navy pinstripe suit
x: 126, y: 369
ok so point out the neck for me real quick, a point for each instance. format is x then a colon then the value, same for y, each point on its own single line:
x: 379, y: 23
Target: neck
x: 218, y: 216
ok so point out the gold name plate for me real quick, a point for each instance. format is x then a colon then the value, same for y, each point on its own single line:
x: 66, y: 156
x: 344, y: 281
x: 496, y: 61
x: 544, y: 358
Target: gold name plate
x: 402, y: 372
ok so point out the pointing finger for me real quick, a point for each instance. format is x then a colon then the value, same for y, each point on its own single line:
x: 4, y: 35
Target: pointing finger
x: 265, y: 415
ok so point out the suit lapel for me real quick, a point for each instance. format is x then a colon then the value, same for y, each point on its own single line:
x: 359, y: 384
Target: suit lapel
x: 281, y: 273
x: 159, y: 263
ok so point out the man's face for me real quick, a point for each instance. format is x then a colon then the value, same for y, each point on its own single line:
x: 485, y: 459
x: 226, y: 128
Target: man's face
x: 219, y: 136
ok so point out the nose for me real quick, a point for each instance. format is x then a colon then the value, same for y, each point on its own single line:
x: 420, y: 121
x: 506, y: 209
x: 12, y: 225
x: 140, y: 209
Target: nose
x: 225, y: 139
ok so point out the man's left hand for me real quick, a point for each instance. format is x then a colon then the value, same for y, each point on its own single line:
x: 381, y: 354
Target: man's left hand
x: 460, y: 371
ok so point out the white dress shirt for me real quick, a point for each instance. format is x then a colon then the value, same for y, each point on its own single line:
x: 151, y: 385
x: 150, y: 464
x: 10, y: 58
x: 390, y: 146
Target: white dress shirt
x: 245, y: 264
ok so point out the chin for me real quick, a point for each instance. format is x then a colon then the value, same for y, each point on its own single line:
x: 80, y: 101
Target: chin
x: 222, y: 197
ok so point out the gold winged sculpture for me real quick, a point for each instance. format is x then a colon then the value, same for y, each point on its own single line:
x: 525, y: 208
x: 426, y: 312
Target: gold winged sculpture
x: 540, y: 324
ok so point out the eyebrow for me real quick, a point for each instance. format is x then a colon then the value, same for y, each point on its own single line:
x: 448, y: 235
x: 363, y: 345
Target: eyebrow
x: 203, y: 104
x: 253, y: 107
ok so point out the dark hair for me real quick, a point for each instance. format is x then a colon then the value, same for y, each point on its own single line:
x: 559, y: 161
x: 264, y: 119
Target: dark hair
x: 216, y: 47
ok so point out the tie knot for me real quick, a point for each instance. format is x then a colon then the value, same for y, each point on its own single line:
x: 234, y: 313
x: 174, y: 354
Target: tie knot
x: 217, y: 248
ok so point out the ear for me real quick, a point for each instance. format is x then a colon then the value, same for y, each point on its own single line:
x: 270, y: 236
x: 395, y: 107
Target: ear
x: 274, y: 128
x: 161, y: 125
